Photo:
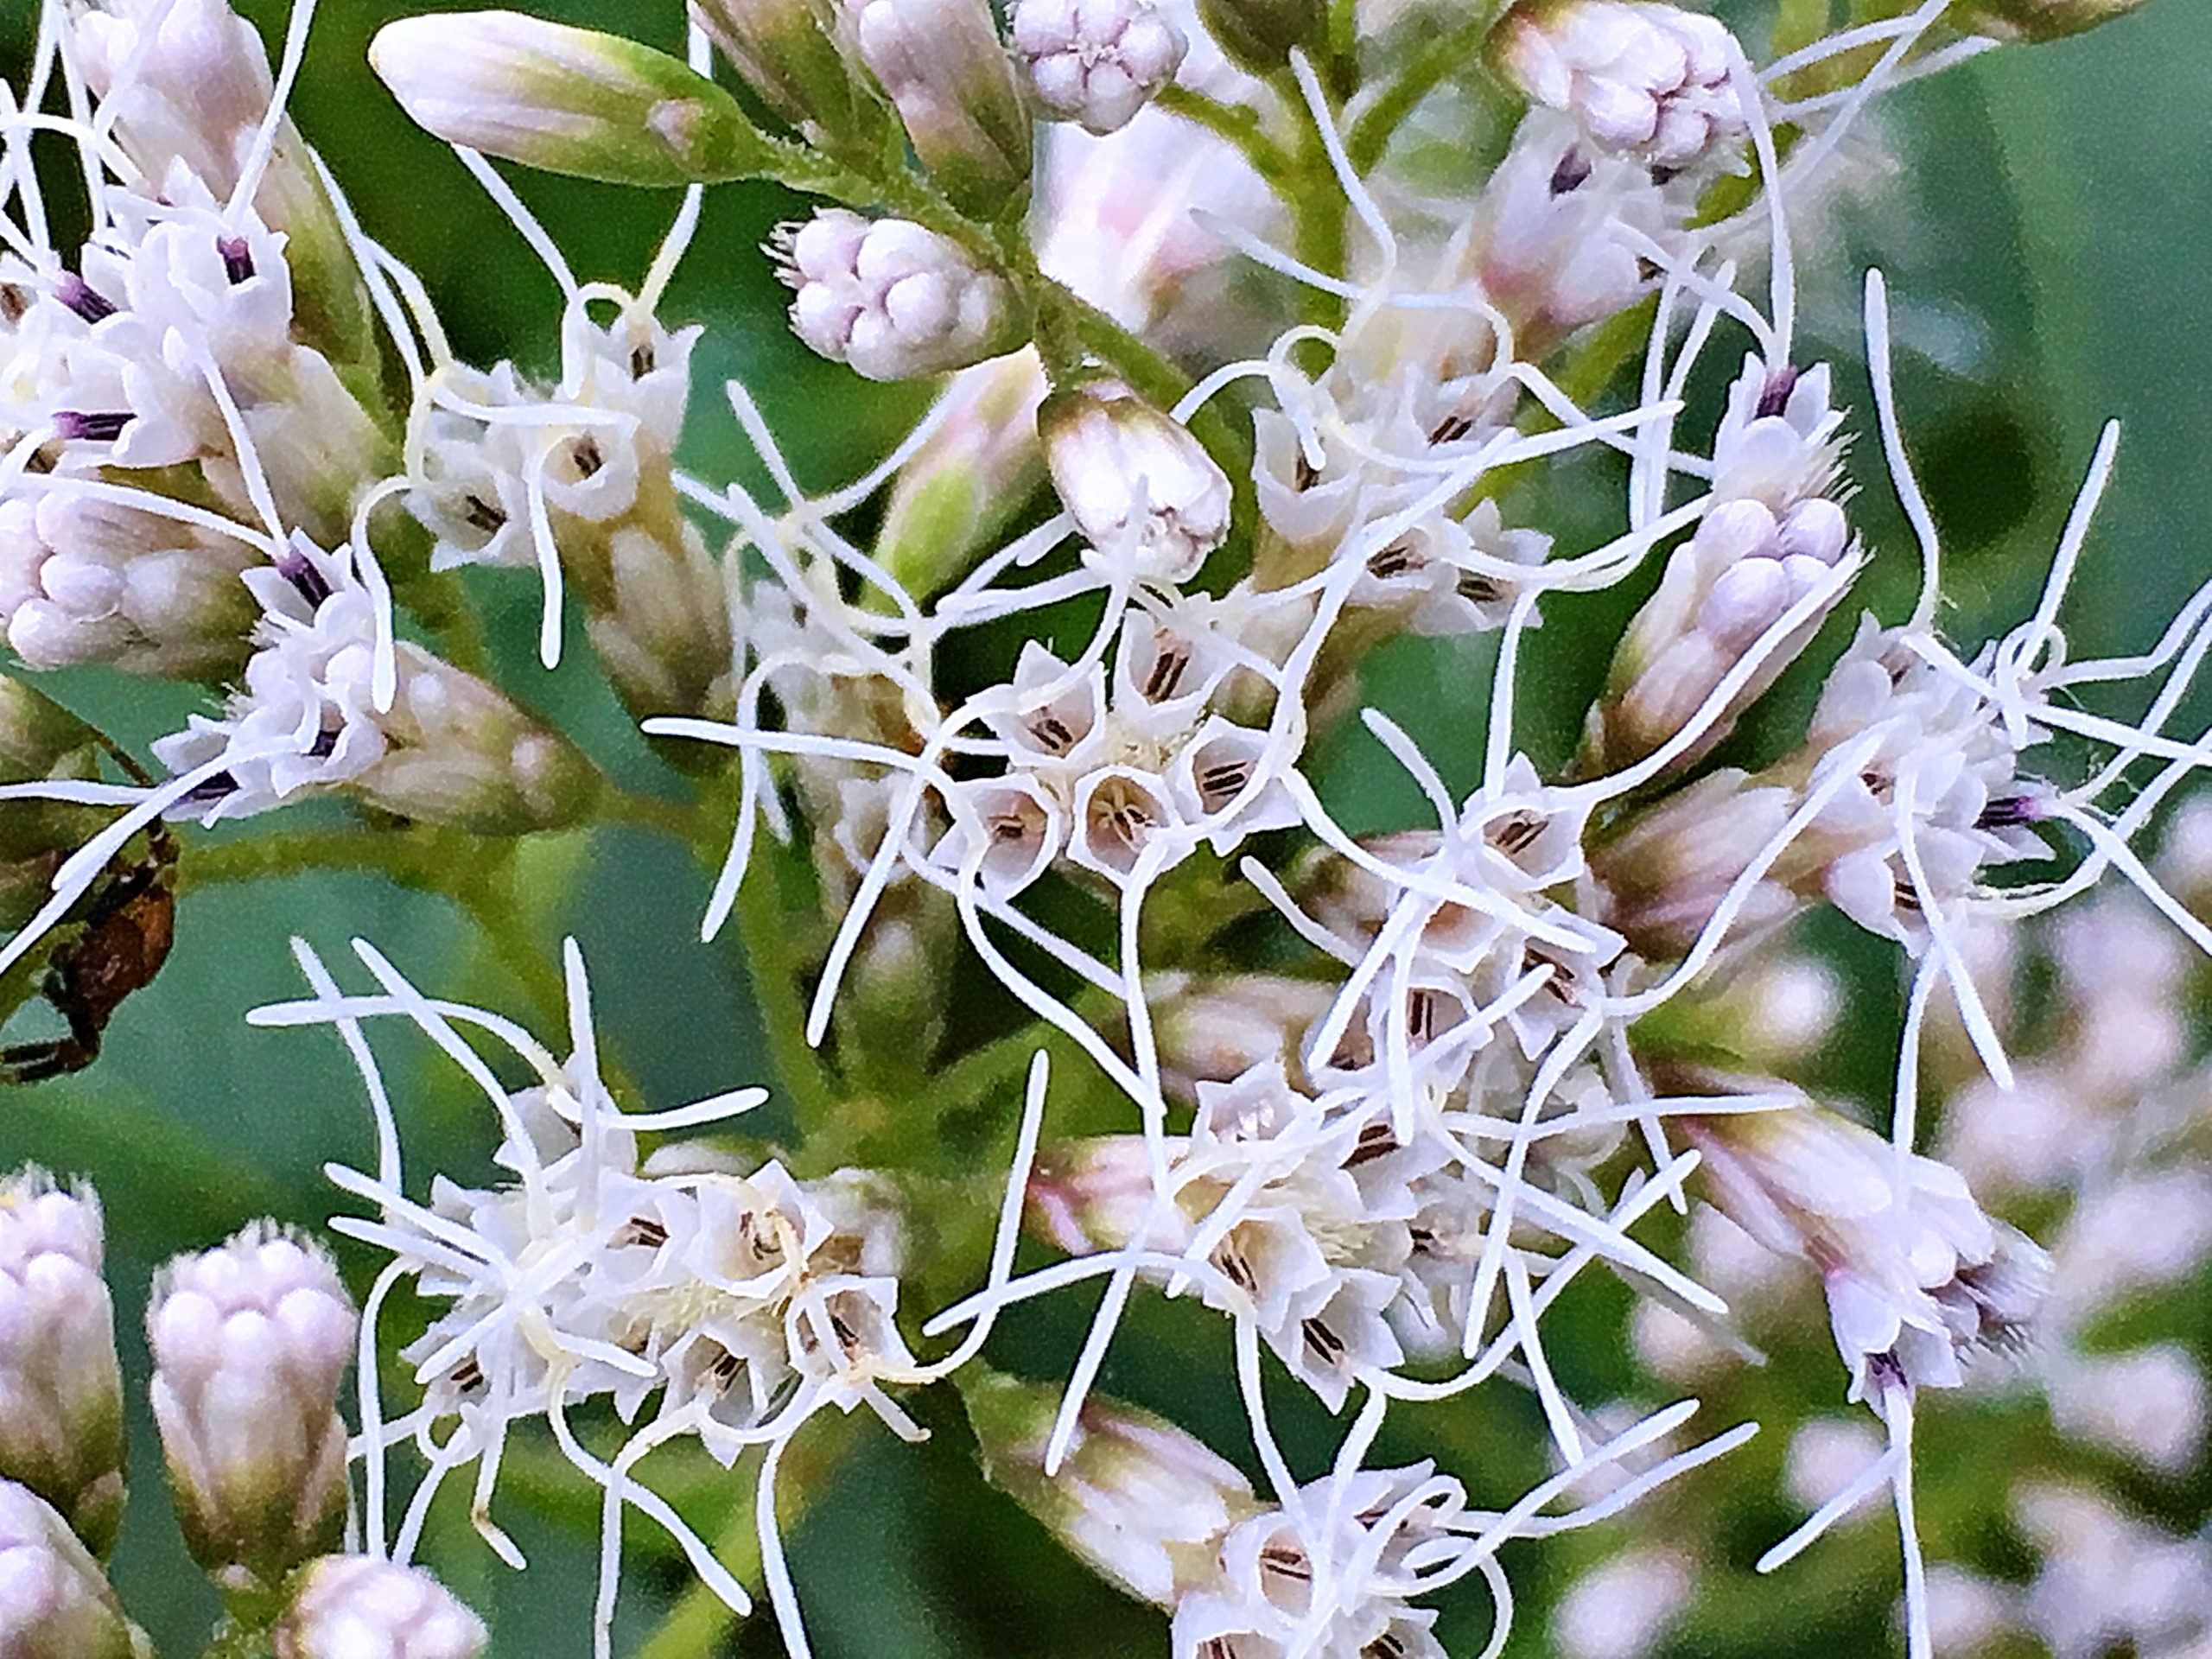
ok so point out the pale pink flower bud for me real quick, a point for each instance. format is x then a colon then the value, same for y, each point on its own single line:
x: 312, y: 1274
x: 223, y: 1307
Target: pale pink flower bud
x: 1669, y: 872
x: 1143, y: 1502
x: 250, y: 1342
x: 1096, y: 62
x: 184, y: 79
x: 60, y: 1391
x: 568, y: 100
x: 55, y: 1600
x: 352, y: 1607
x: 948, y: 74
x: 1724, y: 590
x: 892, y: 299
x: 1142, y: 490
x: 1642, y: 79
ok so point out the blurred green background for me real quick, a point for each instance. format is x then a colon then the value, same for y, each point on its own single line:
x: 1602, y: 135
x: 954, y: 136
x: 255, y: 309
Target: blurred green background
x: 2045, y: 218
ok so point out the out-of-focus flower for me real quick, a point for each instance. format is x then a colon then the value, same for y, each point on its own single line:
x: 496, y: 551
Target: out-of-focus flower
x: 355, y: 1607
x: 55, y: 1600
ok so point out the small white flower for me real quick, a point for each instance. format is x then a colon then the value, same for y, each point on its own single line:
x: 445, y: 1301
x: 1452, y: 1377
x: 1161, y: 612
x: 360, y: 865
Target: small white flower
x: 1560, y: 233
x: 1918, y: 1278
x: 448, y: 749
x: 1287, y: 1586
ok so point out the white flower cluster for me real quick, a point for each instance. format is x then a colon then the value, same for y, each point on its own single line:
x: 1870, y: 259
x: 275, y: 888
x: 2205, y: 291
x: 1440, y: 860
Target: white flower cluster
x: 1386, y: 1092
x: 700, y: 1299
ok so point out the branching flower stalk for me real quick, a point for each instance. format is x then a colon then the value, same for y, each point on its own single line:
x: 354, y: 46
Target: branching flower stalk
x: 1230, y: 397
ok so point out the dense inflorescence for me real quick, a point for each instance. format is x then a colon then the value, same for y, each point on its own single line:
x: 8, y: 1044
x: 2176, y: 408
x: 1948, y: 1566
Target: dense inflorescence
x: 1232, y: 398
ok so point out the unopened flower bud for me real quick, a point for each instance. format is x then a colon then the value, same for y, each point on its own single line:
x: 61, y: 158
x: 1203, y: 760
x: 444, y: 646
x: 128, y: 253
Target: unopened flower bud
x: 1215, y: 1031
x: 55, y: 1600
x: 1668, y: 873
x: 2041, y: 20
x: 893, y: 300
x: 568, y: 100
x: 787, y: 51
x: 250, y: 1342
x: 1642, y: 79
x: 1096, y: 1195
x: 1142, y: 1502
x: 946, y: 72
x: 60, y: 1391
x: 1723, y: 591
x: 968, y: 478
x: 354, y: 1607
x: 1260, y: 35
x: 1096, y: 62
x: 1142, y: 490
x: 86, y: 580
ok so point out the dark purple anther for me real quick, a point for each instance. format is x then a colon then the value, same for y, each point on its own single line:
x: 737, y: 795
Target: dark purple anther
x: 98, y: 426
x: 325, y: 744
x: 1572, y: 173
x: 238, y: 259
x: 79, y: 296
x: 1775, y: 396
x: 298, y: 569
x: 209, y: 790
x: 2009, y: 811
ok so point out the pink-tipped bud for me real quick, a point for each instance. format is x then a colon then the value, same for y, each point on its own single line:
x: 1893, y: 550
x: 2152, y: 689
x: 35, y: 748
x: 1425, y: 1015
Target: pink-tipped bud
x: 568, y: 100
x: 893, y: 299
x: 1142, y: 490
x: 60, y: 1390
x: 250, y: 1342
x: 1096, y: 62
x: 1645, y: 80
x: 942, y: 66
x: 1143, y: 1502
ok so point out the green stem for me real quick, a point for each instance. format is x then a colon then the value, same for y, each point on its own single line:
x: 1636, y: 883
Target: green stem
x: 1237, y: 125
x: 763, y: 931
x: 418, y: 856
x: 1432, y: 65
